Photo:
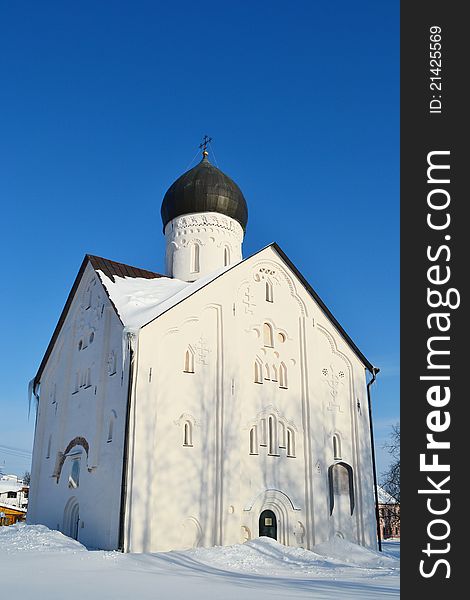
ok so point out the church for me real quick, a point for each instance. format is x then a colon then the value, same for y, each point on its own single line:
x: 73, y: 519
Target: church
x: 207, y: 406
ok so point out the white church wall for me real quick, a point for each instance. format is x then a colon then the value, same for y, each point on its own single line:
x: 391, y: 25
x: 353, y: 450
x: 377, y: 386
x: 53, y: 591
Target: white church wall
x: 214, y: 491
x: 82, y: 409
x: 198, y: 244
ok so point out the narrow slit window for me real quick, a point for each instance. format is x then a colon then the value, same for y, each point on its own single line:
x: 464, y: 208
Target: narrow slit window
x: 282, y: 435
x: 189, y: 361
x: 226, y: 256
x: 282, y: 376
x: 263, y: 432
x: 290, y: 443
x: 74, y: 477
x: 49, y: 444
x: 253, y: 440
x: 266, y: 372
x: 268, y: 335
x: 274, y: 373
x: 195, y: 258
x: 272, y: 435
x: 111, y: 427
x: 187, y: 434
x: 336, y: 447
x: 258, y: 372
x: 269, y: 292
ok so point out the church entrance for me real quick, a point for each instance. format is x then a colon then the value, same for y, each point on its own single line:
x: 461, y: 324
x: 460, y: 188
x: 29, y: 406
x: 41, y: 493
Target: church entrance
x: 268, y: 524
x: 71, y: 518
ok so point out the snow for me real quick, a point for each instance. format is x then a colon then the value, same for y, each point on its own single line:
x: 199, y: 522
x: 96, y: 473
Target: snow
x: 38, y: 562
x: 139, y: 300
x: 384, y: 497
x: 10, y: 485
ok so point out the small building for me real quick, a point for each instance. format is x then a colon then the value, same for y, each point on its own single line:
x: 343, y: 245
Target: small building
x: 389, y: 515
x: 13, y: 499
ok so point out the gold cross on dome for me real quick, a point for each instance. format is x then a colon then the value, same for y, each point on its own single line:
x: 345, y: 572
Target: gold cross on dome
x: 205, y: 140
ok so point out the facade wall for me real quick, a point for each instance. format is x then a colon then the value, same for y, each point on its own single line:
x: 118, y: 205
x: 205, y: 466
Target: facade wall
x: 198, y: 244
x: 81, y: 416
x: 252, y: 349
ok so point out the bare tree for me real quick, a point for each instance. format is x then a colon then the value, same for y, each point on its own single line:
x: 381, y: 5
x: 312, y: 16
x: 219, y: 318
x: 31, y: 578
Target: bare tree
x: 390, y: 480
x: 26, y: 478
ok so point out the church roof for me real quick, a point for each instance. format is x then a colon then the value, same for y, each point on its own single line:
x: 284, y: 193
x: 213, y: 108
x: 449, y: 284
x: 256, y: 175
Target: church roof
x: 112, y: 269
x: 139, y: 302
x: 204, y: 188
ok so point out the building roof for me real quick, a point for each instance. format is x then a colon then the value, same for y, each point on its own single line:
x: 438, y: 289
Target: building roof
x: 384, y: 497
x: 111, y: 268
x: 138, y: 298
x: 204, y: 188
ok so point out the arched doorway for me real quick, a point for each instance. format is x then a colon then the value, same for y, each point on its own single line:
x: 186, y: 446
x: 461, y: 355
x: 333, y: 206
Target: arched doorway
x: 71, y: 518
x: 268, y: 524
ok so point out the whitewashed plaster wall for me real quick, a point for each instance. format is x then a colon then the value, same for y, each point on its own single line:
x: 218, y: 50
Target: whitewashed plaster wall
x: 212, y: 492
x: 83, y: 394
x: 217, y: 240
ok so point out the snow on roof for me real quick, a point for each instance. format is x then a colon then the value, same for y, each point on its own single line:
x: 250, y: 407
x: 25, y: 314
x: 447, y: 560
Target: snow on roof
x: 384, y: 497
x: 138, y: 300
x: 10, y: 485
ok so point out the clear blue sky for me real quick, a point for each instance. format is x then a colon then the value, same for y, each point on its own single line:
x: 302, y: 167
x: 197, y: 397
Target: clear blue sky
x: 102, y: 106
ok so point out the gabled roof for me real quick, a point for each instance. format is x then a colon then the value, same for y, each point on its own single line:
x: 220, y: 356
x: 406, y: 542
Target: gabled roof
x: 197, y: 285
x: 325, y: 309
x: 111, y: 268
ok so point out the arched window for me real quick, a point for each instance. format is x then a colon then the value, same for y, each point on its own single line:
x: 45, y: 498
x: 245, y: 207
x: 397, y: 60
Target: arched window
x: 74, y: 477
x: 226, y: 256
x: 268, y: 335
x: 340, y: 476
x: 187, y: 433
x: 282, y: 435
x: 195, y: 250
x: 274, y: 373
x: 258, y: 372
x: 290, y: 442
x: 49, y: 443
x: 92, y: 337
x: 189, y: 360
x: 272, y: 435
x: 266, y: 371
x: 282, y: 375
x: 336, y: 447
x: 253, y: 440
x: 263, y: 433
x: 112, y: 419
x: 80, y: 345
x: 269, y: 291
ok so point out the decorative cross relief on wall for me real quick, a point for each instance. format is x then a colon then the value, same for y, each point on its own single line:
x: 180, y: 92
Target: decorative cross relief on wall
x: 334, y: 381
x: 91, y: 309
x: 202, y: 351
x: 248, y: 298
x: 111, y: 363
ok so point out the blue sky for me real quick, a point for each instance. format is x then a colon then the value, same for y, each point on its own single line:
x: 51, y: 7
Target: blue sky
x: 103, y: 105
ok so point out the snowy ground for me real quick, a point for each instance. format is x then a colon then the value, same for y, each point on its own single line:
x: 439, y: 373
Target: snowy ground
x: 36, y: 562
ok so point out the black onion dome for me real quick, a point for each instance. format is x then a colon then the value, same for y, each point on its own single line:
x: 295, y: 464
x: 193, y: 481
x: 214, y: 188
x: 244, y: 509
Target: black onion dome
x: 204, y: 189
